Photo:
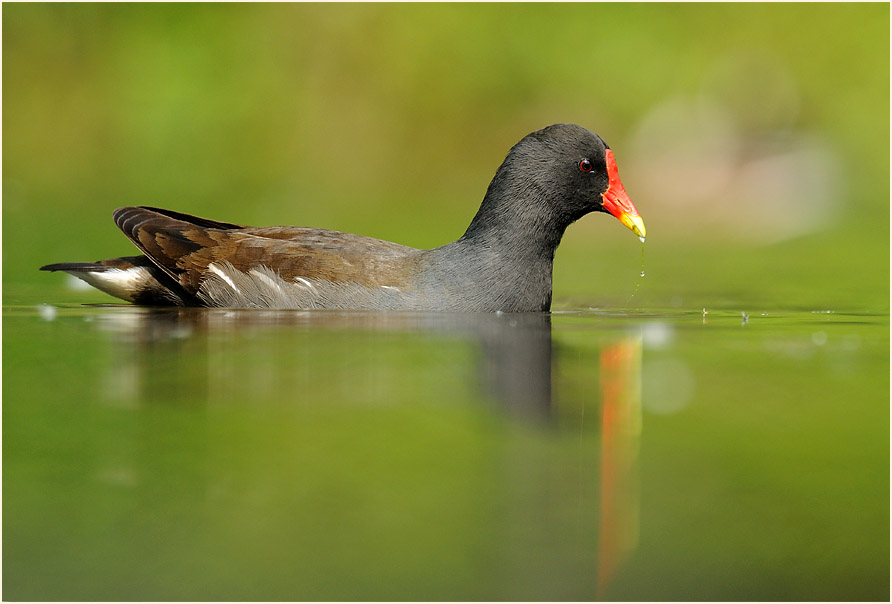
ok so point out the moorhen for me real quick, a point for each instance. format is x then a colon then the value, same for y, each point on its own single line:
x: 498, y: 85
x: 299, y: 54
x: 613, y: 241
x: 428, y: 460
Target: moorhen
x: 503, y: 262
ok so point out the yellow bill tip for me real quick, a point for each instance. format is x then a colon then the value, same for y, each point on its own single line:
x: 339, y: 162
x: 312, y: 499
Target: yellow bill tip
x: 635, y: 223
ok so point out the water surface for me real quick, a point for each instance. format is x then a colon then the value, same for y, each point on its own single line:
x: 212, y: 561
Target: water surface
x: 597, y: 454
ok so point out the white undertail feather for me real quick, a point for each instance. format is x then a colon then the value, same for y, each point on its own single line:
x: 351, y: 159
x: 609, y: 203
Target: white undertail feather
x: 120, y: 283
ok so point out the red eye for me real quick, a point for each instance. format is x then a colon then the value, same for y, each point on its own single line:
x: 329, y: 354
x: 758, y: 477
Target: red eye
x: 585, y: 166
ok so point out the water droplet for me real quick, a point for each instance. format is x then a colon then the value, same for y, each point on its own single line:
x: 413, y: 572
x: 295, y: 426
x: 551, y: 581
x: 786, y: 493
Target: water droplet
x: 638, y: 285
x: 642, y: 256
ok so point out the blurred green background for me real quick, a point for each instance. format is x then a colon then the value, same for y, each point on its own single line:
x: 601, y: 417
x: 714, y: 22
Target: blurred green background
x: 754, y: 138
x: 246, y: 455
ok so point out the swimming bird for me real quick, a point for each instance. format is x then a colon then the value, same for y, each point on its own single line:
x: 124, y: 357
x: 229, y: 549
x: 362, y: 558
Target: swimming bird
x: 503, y: 261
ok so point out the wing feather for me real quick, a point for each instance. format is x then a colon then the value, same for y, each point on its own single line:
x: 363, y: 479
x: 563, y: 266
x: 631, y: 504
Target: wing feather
x: 184, y: 247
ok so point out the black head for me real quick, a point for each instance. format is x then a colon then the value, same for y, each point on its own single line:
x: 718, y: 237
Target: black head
x: 554, y: 176
x: 569, y: 163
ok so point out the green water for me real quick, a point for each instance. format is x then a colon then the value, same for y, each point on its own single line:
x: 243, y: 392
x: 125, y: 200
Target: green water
x: 615, y: 454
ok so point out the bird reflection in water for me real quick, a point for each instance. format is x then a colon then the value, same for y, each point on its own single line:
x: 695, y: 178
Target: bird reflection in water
x: 163, y: 351
x: 515, y: 350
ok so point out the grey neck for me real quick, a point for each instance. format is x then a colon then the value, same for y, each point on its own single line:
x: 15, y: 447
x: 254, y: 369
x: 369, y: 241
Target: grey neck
x: 504, y: 259
x: 517, y: 218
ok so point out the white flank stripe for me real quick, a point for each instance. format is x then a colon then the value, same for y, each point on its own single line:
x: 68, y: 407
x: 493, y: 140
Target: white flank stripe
x: 216, y: 270
x: 266, y: 279
x: 304, y: 281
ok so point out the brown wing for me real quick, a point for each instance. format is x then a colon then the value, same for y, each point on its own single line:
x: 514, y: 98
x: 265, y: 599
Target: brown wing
x: 183, y: 246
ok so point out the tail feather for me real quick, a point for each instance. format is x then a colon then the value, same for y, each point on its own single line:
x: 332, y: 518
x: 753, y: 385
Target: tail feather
x: 134, y: 279
x: 74, y: 267
x: 164, y: 275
